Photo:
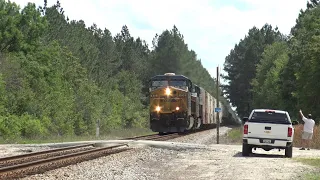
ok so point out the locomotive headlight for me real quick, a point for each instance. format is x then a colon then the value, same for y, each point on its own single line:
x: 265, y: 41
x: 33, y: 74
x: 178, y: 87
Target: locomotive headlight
x: 168, y: 91
x: 158, y: 108
x: 177, y: 108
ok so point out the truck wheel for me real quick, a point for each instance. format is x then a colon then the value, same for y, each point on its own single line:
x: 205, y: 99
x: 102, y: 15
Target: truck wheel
x: 288, y: 152
x: 245, y: 150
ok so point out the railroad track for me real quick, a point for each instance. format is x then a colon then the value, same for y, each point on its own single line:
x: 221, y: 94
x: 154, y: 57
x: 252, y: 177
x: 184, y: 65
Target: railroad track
x: 38, y: 162
x: 155, y: 137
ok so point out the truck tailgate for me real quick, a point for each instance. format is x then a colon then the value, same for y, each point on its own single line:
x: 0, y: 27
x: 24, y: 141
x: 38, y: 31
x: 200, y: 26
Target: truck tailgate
x: 267, y: 130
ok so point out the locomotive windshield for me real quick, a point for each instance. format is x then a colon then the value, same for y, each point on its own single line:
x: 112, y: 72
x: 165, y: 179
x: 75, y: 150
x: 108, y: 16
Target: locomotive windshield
x: 182, y: 84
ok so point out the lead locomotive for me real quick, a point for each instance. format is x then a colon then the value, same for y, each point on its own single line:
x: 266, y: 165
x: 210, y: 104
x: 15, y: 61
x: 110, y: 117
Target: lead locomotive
x: 178, y: 105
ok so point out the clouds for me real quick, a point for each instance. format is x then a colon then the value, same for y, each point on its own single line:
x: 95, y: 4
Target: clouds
x: 210, y: 27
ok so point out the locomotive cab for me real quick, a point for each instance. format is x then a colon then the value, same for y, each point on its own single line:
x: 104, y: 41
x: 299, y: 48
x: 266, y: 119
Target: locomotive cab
x: 170, y: 103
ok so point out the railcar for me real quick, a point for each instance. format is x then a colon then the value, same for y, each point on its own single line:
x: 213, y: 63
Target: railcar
x: 178, y: 105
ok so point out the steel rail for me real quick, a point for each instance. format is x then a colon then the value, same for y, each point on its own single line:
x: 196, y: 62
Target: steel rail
x: 11, y: 160
x: 38, y: 166
x: 48, y: 163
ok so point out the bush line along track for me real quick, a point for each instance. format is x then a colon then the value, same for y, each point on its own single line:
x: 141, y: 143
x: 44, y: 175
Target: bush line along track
x: 38, y: 162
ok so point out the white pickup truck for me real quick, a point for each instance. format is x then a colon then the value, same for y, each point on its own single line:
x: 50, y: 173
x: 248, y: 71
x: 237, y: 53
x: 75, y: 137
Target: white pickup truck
x: 267, y: 129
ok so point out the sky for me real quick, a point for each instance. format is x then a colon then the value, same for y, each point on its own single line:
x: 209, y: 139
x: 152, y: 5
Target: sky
x: 210, y: 27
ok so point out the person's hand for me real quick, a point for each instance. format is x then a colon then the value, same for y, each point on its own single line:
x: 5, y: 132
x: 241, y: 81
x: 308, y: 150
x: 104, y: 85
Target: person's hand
x: 300, y: 111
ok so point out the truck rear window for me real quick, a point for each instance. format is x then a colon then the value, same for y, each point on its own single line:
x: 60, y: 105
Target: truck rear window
x: 269, y: 117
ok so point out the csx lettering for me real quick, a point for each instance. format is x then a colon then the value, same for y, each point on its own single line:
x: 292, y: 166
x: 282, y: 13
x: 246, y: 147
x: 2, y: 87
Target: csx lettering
x: 168, y: 100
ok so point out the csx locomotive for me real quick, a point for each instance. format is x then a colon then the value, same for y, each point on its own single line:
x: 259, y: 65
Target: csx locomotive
x: 178, y: 105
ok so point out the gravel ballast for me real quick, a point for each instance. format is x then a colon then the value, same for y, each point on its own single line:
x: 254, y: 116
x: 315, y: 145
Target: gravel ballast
x: 215, y: 161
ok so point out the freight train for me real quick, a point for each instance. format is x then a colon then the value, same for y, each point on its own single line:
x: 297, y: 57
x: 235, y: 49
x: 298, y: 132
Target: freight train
x: 178, y: 105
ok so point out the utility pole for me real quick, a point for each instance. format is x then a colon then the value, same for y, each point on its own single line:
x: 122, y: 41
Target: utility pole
x: 217, y: 111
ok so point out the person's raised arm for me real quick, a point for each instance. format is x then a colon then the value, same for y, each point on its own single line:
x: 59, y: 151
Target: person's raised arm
x: 302, y: 116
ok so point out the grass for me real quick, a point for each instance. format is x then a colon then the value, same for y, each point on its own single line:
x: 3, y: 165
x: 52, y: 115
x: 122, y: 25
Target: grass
x: 310, y: 161
x: 313, y: 162
x: 113, y: 134
x: 235, y: 135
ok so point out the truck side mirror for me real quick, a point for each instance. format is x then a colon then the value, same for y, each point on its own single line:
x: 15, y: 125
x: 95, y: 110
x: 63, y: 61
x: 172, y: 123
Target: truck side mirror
x: 295, y: 122
x: 244, y: 120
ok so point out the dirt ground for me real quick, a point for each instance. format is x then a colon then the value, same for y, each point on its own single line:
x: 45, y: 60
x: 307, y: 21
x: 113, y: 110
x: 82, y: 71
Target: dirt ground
x: 226, y: 162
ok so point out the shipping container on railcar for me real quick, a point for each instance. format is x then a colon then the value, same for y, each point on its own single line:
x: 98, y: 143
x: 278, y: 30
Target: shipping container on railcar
x: 171, y: 103
x: 203, y: 105
x: 211, y: 120
x: 206, y: 106
x: 208, y: 109
x: 197, y: 115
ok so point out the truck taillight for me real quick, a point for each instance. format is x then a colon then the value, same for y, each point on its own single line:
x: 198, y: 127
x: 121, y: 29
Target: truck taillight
x: 289, y: 131
x: 245, y: 129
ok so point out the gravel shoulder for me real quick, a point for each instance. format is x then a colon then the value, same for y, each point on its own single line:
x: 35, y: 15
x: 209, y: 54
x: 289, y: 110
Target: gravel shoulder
x: 205, y: 160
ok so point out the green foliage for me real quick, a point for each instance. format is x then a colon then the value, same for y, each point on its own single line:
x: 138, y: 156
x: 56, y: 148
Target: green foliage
x: 61, y: 78
x: 171, y: 54
x: 266, y: 84
x: 11, y: 35
x: 241, y: 64
x: 3, y: 98
x: 10, y: 126
x: 283, y: 73
x: 20, y: 31
x: 305, y: 56
x: 32, y: 127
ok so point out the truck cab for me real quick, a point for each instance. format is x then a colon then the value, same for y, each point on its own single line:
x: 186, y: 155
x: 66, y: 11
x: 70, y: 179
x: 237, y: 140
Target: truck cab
x: 267, y: 129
